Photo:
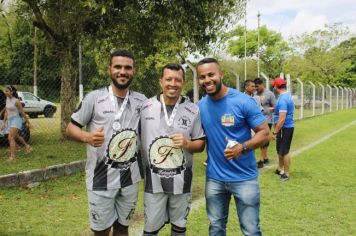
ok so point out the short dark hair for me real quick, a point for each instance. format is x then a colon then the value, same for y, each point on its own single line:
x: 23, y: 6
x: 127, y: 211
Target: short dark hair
x: 258, y: 80
x: 121, y: 53
x: 247, y: 82
x: 173, y: 66
x: 208, y: 60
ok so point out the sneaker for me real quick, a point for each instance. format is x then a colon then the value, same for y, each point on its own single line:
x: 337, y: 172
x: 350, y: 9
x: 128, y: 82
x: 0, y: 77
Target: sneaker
x: 260, y: 164
x: 284, y: 177
x: 266, y: 161
x: 278, y: 172
x: 205, y: 163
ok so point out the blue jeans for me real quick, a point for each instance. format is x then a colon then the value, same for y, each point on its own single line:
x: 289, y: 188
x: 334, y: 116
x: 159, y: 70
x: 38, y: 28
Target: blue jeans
x: 247, y: 200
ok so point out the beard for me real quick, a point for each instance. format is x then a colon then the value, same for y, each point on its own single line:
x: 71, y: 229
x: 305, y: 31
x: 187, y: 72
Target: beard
x: 217, y: 90
x: 121, y: 86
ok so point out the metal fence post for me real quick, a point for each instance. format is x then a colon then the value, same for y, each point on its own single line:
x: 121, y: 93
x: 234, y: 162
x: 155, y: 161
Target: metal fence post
x: 342, y: 98
x: 237, y: 77
x: 313, y: 85
x: 301, y: 98
x: 322, y: 97
x: 330, y: 99
x: 337, y: 97
x: 267, y: 80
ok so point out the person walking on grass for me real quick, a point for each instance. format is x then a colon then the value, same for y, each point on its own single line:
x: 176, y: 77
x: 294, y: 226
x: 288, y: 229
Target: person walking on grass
x: 228, y: 116
x: 170, y: 131
x: 111, y: 117
x: 284, y: 127
x: 14, y: 115
x: 267, y: 100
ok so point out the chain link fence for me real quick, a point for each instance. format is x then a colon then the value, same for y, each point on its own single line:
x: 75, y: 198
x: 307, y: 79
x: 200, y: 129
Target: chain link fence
x: 36, y: 73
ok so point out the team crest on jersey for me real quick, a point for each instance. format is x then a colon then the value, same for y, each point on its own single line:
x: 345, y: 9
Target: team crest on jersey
x: 227, y: 120
x: 184, y: 122
x: 165, y: 159
x: 121, y: 151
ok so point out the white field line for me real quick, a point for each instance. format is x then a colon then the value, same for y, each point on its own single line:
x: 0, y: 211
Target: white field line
x: 313, y: 144
x: 197, y: 204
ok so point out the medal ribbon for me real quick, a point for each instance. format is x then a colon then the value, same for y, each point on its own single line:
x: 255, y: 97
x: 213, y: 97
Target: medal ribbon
x: 169, y: 121
x: 123, y: 105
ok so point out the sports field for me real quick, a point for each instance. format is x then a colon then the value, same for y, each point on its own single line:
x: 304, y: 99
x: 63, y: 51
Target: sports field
x: 319, y: 199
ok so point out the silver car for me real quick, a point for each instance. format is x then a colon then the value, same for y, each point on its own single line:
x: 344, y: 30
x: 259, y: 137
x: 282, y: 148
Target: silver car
x: 35, y: 106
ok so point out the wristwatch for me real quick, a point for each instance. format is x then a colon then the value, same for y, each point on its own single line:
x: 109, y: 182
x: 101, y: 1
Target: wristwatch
x: 244, y: 148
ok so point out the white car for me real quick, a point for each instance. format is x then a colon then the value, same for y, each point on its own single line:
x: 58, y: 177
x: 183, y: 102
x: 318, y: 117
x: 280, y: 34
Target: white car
x: 35, y: 106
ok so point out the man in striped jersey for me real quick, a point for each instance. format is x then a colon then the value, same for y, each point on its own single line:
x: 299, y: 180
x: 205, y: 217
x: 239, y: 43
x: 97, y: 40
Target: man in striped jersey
x: 170, y: 131
x: 111, y: 117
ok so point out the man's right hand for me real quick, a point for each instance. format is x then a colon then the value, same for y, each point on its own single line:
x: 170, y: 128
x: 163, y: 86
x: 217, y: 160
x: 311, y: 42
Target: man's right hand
x: 95, y: 138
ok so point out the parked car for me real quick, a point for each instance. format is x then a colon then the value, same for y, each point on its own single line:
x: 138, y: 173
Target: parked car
x: 35, y: 106
x: 24, y: 132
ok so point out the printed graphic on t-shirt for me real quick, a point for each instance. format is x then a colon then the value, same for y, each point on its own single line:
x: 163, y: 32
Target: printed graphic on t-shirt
x: 227, y: 120
x: 165, y: 159
x: 121, y: 150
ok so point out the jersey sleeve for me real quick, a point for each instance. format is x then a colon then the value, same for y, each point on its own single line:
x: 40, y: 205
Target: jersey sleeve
x: 83, y: 114
x: 197, y: 131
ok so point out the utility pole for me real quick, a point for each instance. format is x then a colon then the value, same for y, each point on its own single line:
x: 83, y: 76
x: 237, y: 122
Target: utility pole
x: 258, y: 44
x: 35, y: 63
x: 245, y: 36
x: 80, y: 72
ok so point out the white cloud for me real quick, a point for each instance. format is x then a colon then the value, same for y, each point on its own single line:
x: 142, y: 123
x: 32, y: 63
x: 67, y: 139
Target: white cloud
x: 298, y: 16
x: 305, y: 21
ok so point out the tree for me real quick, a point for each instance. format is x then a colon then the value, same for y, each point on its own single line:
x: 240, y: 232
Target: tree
x: 140, y: 25
x: 348, y: 49
x: 273, y: 49
x: 319, y: 56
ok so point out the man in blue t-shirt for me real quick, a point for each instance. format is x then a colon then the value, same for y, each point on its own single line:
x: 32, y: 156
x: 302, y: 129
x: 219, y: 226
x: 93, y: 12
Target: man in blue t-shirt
x: 228, y: 116
x: 283, y: 131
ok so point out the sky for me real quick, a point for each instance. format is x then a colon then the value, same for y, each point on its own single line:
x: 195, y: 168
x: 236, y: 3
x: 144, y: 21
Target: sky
x: 294, y: 17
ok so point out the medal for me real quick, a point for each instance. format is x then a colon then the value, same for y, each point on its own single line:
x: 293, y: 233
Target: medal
x: 170, y: 120
x: 116, y: 125
x: 169, y: 130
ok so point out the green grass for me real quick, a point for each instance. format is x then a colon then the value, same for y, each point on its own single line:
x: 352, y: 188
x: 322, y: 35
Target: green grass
x: 318, y: 200
x: 48, y: 148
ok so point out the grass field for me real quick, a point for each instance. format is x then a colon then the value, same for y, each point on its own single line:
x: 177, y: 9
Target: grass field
x: 48, y: 148
x: 319, y: 199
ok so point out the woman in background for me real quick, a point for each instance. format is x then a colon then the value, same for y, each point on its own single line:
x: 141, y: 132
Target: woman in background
x: 14, y: 113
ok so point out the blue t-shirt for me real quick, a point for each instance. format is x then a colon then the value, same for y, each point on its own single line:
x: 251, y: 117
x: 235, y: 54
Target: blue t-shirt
x: 285, y: 104
x: 233, y: 117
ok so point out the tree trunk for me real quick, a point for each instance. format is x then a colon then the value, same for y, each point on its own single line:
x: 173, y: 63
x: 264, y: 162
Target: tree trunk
x: 69, y: 71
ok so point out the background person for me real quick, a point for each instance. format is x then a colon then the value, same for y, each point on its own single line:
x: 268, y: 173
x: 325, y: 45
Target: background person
x: 267, y: 100
x: 249, y: 87
x: 284, y: 127
x: 170, y: 131
x: 229, y: 114
x: 111, y: 115
x: 250, y: 90
x: 14, y: 115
